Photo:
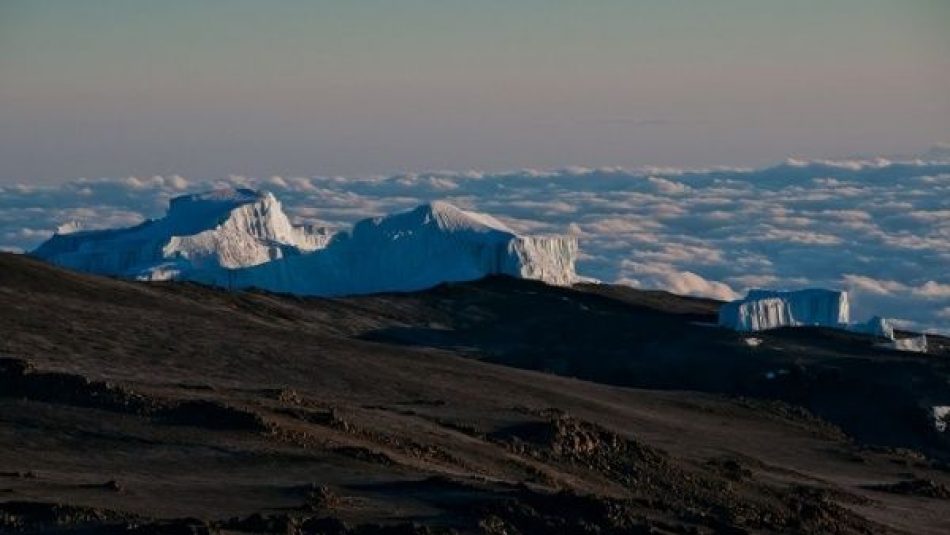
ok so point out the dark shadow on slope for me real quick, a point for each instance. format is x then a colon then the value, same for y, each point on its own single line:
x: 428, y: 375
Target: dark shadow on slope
x: 19, y: 380
x: 627, y: 337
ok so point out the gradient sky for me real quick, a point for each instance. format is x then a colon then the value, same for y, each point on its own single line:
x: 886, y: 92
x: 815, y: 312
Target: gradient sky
x: 211, y: 88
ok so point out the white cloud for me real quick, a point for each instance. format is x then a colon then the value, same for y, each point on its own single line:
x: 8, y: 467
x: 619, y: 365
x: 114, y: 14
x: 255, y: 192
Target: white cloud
x: 666, y: 277
x: 689, y: 283
x: 873, y: 286
x: 878, y: 228
x: 277, y: 181
x: 928, y: 290
x: 753, y: 281
x: 668, y: 187
x: 933, y: 290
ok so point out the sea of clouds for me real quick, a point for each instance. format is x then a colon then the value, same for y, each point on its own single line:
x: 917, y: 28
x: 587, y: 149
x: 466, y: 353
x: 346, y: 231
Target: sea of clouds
x: 878, y: 228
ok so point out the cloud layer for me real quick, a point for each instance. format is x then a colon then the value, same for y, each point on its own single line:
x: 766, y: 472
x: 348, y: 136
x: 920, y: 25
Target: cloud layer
x: 878, y: 228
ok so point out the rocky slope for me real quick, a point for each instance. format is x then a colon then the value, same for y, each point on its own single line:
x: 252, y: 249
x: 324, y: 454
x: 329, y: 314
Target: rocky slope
x: 169, y: 407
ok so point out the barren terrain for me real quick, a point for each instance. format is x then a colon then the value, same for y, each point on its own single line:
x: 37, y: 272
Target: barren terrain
x: 497, y: 406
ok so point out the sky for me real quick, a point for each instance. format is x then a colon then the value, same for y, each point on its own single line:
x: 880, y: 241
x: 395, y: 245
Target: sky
x: 695, y: 146
x: 207, y: 89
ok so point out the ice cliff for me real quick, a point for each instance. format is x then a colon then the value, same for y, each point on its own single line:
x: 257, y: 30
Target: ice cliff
x: 941, y: 417
x: 228, y: 228
x: 761, y: 310
x: 431, y: 244
x: 242, y: 238
x: 912, y: 344
x: 765, y: 309
x: 876, y: 326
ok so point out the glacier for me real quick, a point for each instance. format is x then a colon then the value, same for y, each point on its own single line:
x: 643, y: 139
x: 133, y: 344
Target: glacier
x: 913, y: 344
x: 761, y: 310
x: 941, y: 417
x: 222, y: 229
x: 431, y: 244
x: 876, y: 326
x: 241, y: 238
x: 884, y: 328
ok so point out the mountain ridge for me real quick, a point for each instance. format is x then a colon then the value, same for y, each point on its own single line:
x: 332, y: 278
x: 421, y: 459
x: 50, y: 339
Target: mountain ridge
x: 226, y: 228
x: 241, y: 238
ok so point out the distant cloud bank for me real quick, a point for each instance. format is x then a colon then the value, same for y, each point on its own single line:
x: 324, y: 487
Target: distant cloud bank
x: 878, y: 228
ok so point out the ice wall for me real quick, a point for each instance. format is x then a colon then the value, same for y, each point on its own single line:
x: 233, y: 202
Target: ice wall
x: 761, y: 310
